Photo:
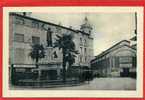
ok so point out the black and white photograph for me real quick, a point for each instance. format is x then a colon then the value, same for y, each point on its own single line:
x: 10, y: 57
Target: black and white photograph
x: 78, y: 50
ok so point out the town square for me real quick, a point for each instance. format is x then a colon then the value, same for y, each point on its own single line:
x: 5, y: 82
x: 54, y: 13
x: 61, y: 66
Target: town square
x: 86, y: 54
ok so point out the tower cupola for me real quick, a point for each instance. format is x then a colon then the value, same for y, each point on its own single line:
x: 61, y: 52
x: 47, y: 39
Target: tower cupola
x: 86, y: 26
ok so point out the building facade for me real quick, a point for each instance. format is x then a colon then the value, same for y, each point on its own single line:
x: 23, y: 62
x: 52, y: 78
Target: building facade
x: 119, y: 60
x: 25, y: 31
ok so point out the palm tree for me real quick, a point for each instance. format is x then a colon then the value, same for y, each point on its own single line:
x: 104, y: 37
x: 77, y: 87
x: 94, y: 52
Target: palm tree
x: 66, y: 44
x: 71, y: 59
x: 37, y: 53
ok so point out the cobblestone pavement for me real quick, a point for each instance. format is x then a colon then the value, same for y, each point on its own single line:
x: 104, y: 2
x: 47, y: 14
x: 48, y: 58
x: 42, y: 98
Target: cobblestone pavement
x: 105, y: 84
x: 95, y: 84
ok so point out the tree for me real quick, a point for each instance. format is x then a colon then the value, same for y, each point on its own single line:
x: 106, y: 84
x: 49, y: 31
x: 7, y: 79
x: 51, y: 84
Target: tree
x: 66, y: 44
x: 37, y: 53
x: 71, y: 59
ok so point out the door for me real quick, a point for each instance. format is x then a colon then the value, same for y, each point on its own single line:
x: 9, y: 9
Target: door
x: 125, y: 72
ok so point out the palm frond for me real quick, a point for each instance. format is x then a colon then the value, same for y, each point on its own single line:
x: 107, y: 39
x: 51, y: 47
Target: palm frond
x: 58, y: 36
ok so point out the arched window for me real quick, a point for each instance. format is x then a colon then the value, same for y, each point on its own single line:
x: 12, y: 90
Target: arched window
x: 81, y: 41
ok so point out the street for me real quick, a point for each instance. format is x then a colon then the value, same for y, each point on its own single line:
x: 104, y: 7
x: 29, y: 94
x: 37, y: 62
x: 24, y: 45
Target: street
x: 117, y: 83
x: 104, y: 84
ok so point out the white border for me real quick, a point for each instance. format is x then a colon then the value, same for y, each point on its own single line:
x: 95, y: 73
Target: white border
x: 73, y: 93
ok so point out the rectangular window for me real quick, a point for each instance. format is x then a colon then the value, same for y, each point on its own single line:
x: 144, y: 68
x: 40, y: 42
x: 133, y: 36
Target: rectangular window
x: 81, y: 50
x: 85, y: 42
x: 19, y: 20
x: 81, y: 59
x: 85, y: 50
x: 126, y: 65
x: 35, y: 40
x: 125, y: 59
x: 116, y: 62
x: 81, y: 41
x: 85, y: 58
x: 35, y: 24
x: 19, y: 37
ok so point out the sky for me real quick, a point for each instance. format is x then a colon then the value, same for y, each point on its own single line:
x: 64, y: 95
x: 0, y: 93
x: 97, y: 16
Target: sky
x: 108, y: 28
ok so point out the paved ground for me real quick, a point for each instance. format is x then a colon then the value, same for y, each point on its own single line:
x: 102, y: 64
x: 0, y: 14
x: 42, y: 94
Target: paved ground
x: 95, y: 84
x: 105, y: 84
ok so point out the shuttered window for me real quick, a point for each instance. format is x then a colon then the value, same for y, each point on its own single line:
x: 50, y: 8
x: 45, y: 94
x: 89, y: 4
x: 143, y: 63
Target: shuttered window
x: 35, y: 40
x: 19, y: 20
x: 19, y: 37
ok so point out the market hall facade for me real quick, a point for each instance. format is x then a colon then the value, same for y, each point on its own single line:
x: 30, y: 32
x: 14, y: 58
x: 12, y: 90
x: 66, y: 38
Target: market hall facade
x: 117, y: 61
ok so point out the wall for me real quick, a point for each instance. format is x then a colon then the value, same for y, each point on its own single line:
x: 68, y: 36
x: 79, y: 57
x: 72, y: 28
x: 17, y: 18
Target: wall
x: 29, y: 30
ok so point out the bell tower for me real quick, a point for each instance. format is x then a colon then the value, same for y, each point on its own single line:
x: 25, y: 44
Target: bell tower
x: 86, y: 27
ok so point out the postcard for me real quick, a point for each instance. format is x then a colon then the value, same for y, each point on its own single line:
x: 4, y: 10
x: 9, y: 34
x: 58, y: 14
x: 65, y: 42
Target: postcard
x: 73, y: 52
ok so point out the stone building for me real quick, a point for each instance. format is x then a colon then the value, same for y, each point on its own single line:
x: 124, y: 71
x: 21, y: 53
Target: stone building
x: 118, y: 60
x: 25, y: 31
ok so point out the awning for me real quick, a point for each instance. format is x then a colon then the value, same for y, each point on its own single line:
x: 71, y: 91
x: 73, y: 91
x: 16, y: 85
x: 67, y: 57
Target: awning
x: 25, y: 66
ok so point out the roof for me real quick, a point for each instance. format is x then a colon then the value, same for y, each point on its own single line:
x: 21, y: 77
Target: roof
x: 134, y: 46
x: 134, y: 38
x: 30, y: 18
x: 82, y: 32
x: 107, y: 51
